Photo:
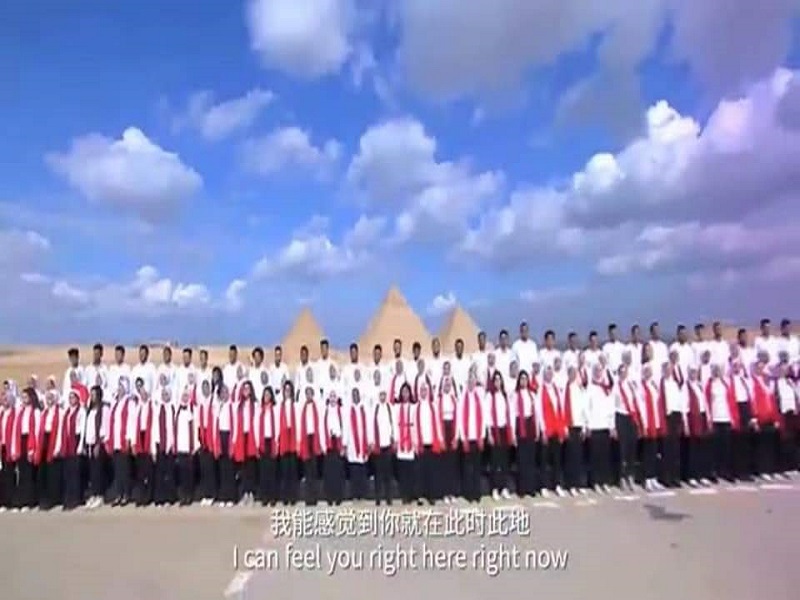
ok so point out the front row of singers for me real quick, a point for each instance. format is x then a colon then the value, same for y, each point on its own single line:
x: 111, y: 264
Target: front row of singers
x: 418, y: 443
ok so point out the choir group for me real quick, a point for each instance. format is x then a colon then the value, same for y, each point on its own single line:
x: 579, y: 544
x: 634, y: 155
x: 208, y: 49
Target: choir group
x: 535, y: 420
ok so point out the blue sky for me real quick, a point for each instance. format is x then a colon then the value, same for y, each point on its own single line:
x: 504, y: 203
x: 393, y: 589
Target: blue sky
x: 524, y: 159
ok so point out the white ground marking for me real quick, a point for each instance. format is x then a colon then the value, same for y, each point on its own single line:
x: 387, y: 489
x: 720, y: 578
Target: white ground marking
x: 703, y: 492
x: 238, y: 583
x: 664, y: 494
x: 545, y: 504
x: 626, y: 497
x: 742, y: 488
x: 586, y: 502
x: 777, y: 486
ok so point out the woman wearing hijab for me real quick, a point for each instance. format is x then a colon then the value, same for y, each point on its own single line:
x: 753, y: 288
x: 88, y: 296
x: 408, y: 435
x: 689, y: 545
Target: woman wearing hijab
x: 267, y: 434
x: 527, y: 437
x: 48, y: 474
x: 187, y: 442
x: 164, y: 490
x: 332, y: 438
x: 119, y: 440
x: 245, y: 452
x: 206, y: 415
x: 429, y: 445
x: 24, y: 448
x: 224, y: 436
x: 93, y: 446
x: 501, y: 436
x: 448, y: 463
x: 288, y: 435
x: 8, y: 475
x: 553, y: 427
x: 71, y: 430
x: 406, y: 451
x: 356, y: 441
x: 382, y: 443
x: 472, y: 429
x: 144, y: 445
x: 310, y: 446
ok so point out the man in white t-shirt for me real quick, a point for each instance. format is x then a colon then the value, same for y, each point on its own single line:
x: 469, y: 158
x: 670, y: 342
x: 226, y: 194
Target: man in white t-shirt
x: 480, y: 358
x: 658, y: 349
x: 525, y: 349
x: 699, y: 343
x: 549, y: 354
x: 503, y: 354
x: 571, y: 354
x: 789, y: 344
x: 719, y: 348
x: 767, y: 344
x: 613, y: 349
x: 684, y: 349
x: 635, y: 347
x: 593, y: 352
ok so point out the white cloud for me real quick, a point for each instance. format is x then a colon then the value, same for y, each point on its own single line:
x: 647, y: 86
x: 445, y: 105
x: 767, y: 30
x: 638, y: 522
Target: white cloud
x: 218, y: 120
x: 64, y: 292
x: 233, y: 295
x: 311, y: 255
x: 365, y: 232
x: 442, y: 303
x: 307, y: 39
x: 290, y: 147
x: 21, y: 249
x: 679, y: 174
x: 131, y: 173
x: 492, y: 46
x: 551, y: 294
x: 396, y: 168
x: 34, y: 278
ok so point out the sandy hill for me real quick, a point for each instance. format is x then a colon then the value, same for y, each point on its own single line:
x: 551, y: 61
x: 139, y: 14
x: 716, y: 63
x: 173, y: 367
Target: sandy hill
x: 459, y: 325
x: 306, y: 331
x: 395, y: 319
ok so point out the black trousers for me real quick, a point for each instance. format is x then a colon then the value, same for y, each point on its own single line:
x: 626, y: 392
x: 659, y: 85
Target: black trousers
x: 649, y: 458
x: 788, y: 442
x: 98, y: 469
x: 723, y: 451
x: 600, y: 453
x: 471, y: 472
x: 121, y: 482
x: 408, y: 479
x: 448, y: 479
x: 268, y: 476
x: 26, y: 478
x: 48, y: 476
x: 71, y: 472
x: 227, y: 474
x: 165, y: 490
x: 551, y: 464
x: 672, y: 450
x: 743, y: 444
x: 311, y: 480
x: 574, y: 465
x: 767, y: 450
x: 248, y: 473
x: 207, y: 488
x: 145, y: 479
x: 627, y: 436
x: 383, y: 475
x: 289, y: 466
x: 700, y: 456
x: 184, y: 470
x: 333, y: 475
x: 527, y: 467
x: 429, y: 474
x: 8, y: 480
x: 498, y: 457
x: 358, y: 480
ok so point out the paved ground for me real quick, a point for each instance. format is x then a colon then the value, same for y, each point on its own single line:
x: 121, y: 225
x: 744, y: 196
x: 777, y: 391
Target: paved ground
x: 735, y: 544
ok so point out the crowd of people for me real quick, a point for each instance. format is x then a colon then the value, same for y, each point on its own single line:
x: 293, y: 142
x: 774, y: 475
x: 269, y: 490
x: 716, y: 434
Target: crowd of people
x: 515, y: 417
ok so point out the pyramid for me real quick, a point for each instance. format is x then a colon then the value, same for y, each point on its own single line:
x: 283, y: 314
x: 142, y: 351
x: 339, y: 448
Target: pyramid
x: 305, y: 332
x: 395, y: 319
x: 459, y: 325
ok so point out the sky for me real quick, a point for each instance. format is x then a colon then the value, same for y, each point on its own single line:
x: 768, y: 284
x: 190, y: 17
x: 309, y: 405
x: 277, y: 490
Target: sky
x: 202, y: 174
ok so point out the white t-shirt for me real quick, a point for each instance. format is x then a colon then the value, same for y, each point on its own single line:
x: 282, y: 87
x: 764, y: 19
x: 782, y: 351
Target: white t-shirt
x: 526, y: 352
